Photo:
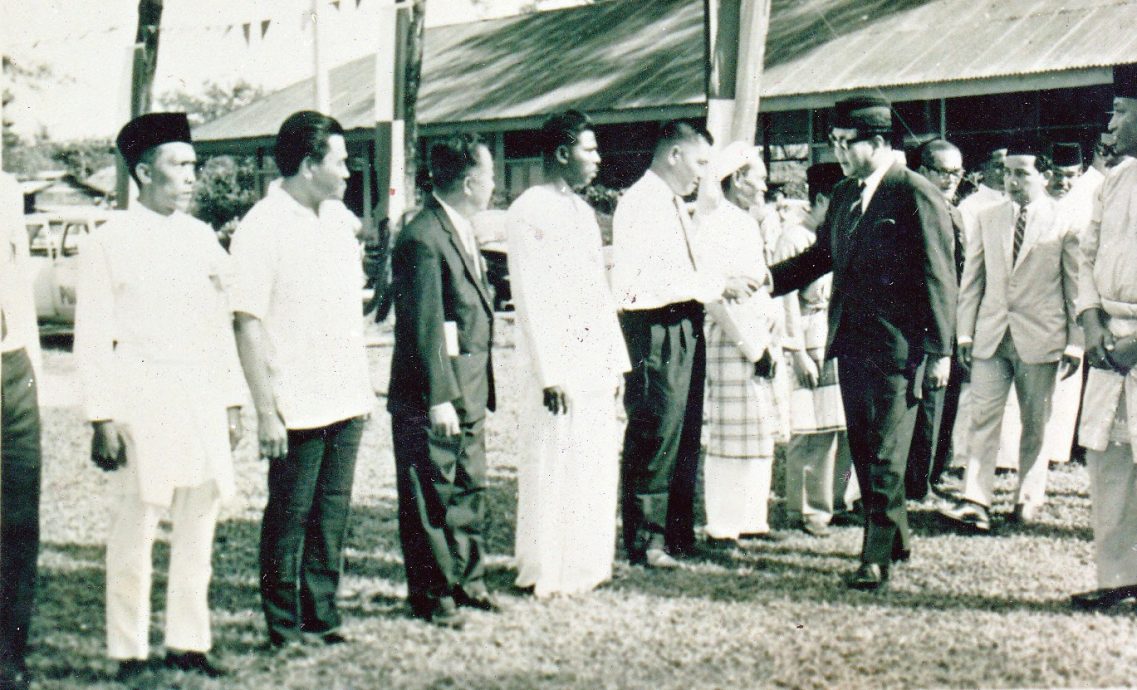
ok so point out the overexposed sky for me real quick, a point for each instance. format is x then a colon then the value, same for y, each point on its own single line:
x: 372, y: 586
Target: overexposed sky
x: 86, y: 43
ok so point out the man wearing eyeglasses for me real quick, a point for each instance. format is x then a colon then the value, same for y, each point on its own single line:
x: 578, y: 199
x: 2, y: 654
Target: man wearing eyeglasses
x: 887, y: 240
x: 1016, y: 324
x: 942, y: 164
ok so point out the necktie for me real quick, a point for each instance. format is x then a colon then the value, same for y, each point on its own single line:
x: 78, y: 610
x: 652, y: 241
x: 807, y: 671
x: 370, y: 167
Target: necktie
x: 857, y: 207
x: 1020, y: 233
x: 685, y: 222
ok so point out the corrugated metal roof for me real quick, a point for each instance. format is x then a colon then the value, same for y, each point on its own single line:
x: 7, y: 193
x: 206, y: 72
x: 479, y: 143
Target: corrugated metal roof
x: 627, y: 54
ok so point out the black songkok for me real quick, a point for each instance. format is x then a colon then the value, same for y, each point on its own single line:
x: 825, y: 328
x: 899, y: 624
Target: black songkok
x: 1066, y: 155
x: 869, y: 115
x: 147, y: 131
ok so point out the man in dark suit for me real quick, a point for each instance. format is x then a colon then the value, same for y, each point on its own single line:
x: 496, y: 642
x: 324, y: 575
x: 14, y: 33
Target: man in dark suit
x: 941, y: 162
x: 887, y: 240
x: 442, y: 385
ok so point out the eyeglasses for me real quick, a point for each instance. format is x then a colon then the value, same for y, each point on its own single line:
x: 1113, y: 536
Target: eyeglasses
x: 843, y: 143
x: 954, y: 173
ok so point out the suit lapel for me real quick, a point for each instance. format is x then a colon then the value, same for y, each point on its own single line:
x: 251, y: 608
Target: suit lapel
x: 467, y: 261
x: 1007, y: 235
x: 1036, y: 228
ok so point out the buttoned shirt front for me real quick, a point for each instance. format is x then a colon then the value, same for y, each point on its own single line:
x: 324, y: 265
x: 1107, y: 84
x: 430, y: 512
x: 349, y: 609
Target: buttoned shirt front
x: 653, y: 247
x: 301, y: 275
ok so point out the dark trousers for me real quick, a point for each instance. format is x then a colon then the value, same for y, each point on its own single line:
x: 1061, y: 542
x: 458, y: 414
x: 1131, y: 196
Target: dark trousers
x: 931, y: 440
x: 664, y: 403
x: 305, y: 522
x: 880, y: 411
x: 19, y: 512
x: 441, y: 483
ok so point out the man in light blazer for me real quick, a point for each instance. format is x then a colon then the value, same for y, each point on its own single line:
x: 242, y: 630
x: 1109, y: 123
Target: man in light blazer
x: 1016, y: 325
x: 887, y: 238
x: 442, y: 385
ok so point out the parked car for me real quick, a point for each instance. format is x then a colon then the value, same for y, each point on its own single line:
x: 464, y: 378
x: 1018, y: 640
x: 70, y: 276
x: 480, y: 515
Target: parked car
x: 54, y: 240
x: 490, y: 232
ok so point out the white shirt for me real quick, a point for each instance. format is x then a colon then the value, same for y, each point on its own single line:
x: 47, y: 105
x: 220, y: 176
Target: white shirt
x: 16, y: 298
x: 301, y: 275
x: 652, y: 250
x: 465, y: 233
x: 153, y: 289
x: 870, y: 184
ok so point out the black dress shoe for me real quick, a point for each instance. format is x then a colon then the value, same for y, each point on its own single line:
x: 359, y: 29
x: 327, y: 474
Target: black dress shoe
x: 442, y: 612
x: 870, y: 577
x: 333, y: 638
x: 194, y: 662
x: 1102, y: 599
x: 482, y: 601
x: 130, y: 669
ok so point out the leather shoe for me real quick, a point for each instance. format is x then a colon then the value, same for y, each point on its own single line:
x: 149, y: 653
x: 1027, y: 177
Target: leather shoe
x: 483, y: 601
x: 194, y: 662
x: 442, y: 612
x: 1102, y: 599
x: 130, y: 669
x: 815, y: 529
x: 870, y: 577
x: 1024, y: 514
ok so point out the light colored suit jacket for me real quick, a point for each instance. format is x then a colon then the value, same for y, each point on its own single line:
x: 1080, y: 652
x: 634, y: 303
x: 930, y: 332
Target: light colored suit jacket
x: 1035, y: 297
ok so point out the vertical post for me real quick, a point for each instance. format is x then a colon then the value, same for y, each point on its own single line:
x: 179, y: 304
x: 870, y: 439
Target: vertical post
x: 721, y: 39
x: 385, y: 78
x: 943, y: 117
x: 144, y: 63
x: 322, y: 95
x: 753, y: 26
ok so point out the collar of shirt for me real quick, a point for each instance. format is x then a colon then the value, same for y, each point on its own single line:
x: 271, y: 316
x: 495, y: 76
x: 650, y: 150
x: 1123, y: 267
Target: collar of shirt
x: 287, y: 202
x: 464, y: 227
x: 870, y: 184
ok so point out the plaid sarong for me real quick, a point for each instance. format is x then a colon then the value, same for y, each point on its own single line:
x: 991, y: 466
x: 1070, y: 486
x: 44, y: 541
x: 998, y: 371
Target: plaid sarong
x: 741, y: 413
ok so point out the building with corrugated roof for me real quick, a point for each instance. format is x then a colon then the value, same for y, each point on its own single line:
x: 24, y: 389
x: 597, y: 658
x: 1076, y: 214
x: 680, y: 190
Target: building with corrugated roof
x: 969, y: 70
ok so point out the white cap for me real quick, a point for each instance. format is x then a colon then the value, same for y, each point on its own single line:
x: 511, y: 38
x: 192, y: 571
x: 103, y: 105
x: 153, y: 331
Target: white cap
x: 733, y: 157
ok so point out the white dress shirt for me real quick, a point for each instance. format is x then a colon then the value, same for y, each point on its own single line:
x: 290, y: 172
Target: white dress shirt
x: 653, y: 246
x: 465, y: 233
x: 301, y: 274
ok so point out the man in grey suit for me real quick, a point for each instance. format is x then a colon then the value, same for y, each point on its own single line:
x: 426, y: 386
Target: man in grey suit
x: 1016, y: 325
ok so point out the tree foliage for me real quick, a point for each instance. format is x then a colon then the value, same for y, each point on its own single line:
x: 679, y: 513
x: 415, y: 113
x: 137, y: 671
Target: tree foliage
x: 226, y: 189
x: 212, y: 102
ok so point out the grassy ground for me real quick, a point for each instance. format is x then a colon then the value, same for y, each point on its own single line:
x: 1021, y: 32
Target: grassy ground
x: 965, y: 612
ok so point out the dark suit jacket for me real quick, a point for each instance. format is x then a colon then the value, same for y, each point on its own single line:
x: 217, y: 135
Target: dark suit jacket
x: 894, y: 278
x: 434, y: 282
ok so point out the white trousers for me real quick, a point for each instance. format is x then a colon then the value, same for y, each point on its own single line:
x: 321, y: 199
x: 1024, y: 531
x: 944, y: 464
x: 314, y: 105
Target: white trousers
x: 819, y: 469
x: 1113, y: 488
x: 736, y: 495
x: 991, y: 381
x: 130, y: 570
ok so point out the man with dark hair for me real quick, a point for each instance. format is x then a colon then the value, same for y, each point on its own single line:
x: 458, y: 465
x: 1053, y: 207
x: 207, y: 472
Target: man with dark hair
x: 1107, y: 310
x: 20, y: 446
x: 300, y: 336
x: 441, y: 387
x: 660, y: 288
x: 573, y: 360
x: 1065, y: 169
x: 887, y: 240
x: 158, y: 365
x: 990, y: 190
x: 818, y: 465
x: 941, y: 162
x: 1015, y: 325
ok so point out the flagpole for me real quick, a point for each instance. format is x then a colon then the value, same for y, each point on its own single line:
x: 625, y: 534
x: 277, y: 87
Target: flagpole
x: 323, y: 100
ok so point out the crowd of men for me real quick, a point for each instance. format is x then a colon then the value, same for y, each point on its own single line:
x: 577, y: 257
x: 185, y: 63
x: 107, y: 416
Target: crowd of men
x: 902, y: 323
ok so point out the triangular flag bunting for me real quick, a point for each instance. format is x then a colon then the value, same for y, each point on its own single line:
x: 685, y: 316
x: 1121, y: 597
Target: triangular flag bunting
x: 245, y: 30
x: 357, y: 3
x: 227, y: 30
x: 264, y: 27
x: 336, y: 4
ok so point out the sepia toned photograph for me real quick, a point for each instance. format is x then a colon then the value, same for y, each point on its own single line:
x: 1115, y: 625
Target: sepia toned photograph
x: 568, y: 344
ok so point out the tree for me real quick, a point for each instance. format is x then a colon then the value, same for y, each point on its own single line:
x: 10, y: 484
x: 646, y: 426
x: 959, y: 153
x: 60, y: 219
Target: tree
x: 212, y: 102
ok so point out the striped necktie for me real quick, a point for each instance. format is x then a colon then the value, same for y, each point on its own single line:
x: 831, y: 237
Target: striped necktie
x: 1020, y: 233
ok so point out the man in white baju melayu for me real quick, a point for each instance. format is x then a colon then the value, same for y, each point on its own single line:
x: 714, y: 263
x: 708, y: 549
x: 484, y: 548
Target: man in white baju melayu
x: 162, y: 384
x: 1107, y: 311
x: 573, y: 359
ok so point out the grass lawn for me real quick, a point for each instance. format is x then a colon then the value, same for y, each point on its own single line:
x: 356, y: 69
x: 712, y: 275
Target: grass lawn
x: 981, y: 611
